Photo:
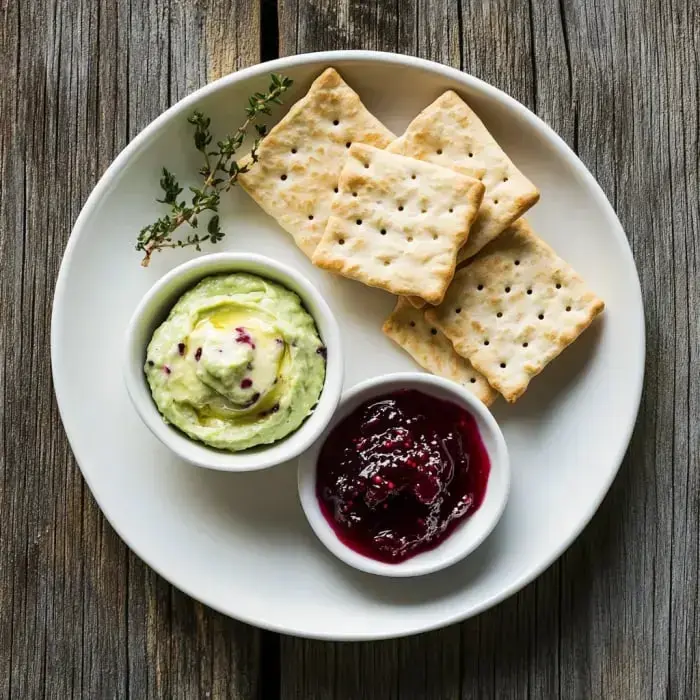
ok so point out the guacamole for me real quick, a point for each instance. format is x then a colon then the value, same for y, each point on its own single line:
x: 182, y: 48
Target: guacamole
x: 237, y: 363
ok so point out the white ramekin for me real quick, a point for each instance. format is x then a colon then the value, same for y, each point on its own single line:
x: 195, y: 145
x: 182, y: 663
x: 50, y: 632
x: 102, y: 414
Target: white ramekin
x: 465, y: 538
x: 156, y: 305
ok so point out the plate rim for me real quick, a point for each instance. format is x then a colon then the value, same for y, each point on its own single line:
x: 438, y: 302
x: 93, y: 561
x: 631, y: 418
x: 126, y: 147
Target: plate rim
x: 108, y: 178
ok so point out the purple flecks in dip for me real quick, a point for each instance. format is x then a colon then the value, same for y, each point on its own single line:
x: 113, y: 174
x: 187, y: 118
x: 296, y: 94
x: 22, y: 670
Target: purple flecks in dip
x: 242, y: 336
x: 323, y: 352
x: 246, y: 383
x: 274, y: 409
x: 181, y: 349
x: 253, y: 400
x: 197, y: 354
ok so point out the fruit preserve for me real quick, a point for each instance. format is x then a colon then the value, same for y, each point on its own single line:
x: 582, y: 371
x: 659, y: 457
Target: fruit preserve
x: 397, y: 475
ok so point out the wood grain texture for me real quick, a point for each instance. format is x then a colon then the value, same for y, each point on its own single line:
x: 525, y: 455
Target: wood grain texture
x: 81, y: 616
x: 618, y: 616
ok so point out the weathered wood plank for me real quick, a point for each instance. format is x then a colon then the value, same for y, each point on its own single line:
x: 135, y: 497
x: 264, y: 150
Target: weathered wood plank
x: 618, y: 615
x: 337, y: 24
x: 633, y: 577
x: 81, y: 616
x: 10, y: 257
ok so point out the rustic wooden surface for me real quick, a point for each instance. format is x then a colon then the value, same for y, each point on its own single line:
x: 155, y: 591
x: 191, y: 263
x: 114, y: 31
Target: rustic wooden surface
x: 617, y: 617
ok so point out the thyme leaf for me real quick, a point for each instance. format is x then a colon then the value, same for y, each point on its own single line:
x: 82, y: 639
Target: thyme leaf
x: 220, y: 172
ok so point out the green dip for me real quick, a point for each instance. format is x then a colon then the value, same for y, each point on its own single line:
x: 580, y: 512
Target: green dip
x: 237, y: 363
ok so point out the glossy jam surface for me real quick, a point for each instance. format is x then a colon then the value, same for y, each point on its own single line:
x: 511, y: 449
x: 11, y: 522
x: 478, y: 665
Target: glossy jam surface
x: 397, y: 475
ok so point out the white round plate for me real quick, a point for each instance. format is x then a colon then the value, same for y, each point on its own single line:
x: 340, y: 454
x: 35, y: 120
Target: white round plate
x: 240, y: 542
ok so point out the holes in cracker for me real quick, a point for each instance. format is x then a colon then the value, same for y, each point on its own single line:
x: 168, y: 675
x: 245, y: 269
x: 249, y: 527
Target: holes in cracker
x: 400, y: 207
x: 348, y: 144
x: 387, y: 263
x: 311, y: 217
x: 507, y: 290
x: 517, y: 262
x: 341, y: 241
x: 335, y: 189
x: 283, y: 177
x: 471, y: 155
x: 359, y: 222
x: 294, y: 150
x: 354, y: 194
x: 458, y: 310
x: 435, y: 236
x: 479, y: 286
x: 568, y: 308
x: 529, y: 291
x: 409, y: 239
x: 473, y: 380
x: 439, y: 151
x: 558, y: 285
x: 335, y: 122
x: 495, y: 201
x: 412, y: 324
x: 486, y: 342
x: 366, y: 165
x: 505, y: 179
x: 540, y: 316
x: 383, y: 232
x: 499, y: 314
x: 433, y: 331
x: 413, y: 177
x: 525, y: 344
x: 451, y: 210
x: 503, y: 365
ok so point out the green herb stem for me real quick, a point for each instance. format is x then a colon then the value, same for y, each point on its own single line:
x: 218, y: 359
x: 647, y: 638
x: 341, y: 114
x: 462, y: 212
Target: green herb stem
x: 217, y: 179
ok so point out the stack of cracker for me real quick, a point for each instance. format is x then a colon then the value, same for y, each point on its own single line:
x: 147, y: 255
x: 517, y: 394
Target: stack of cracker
x: 300, y: 160
x: 509, y: 313
x: 402, y: 214
x: 384, y: 219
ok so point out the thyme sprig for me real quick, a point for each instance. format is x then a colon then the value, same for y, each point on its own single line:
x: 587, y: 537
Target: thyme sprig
x: 220, y: 172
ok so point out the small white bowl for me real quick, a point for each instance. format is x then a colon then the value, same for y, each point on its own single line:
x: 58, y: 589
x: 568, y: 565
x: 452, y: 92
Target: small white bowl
x: 156, y: 305
x: 467, y: 536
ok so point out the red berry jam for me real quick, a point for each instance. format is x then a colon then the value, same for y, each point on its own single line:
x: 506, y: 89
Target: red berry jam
x: 400, y: 473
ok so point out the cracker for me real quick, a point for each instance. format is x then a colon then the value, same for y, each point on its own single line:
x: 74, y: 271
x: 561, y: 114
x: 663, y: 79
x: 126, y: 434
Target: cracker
x: 407, y: 327
x: 417, y: 302
x: 398, y: 223
x: 301, y: 157
x: 448, y: 133
x: 514, y: 308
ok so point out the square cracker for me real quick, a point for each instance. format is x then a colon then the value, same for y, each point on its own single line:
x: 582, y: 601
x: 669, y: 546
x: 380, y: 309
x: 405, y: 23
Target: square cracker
x: 408, y: 328
x: 301, y: 157
x: 398, y: 223
x: 514, y: 308
x: 448, y: 133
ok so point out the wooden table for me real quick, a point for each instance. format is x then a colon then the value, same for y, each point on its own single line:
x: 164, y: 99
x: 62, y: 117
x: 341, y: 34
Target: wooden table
x: 616, y: 617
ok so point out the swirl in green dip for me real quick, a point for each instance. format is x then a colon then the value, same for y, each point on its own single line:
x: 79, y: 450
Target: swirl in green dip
x: 237, y: 363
